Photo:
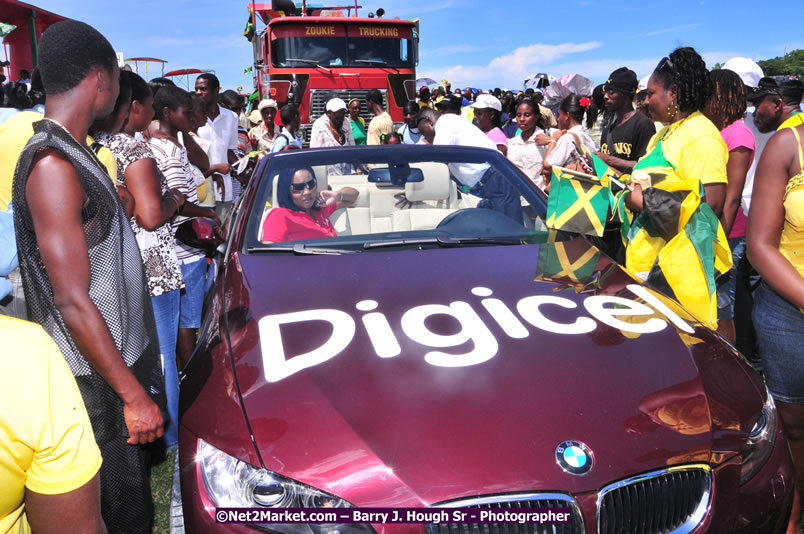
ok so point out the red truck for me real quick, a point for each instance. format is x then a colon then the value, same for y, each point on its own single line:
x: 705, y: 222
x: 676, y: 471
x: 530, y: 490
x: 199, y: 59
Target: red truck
x: 308, y: 54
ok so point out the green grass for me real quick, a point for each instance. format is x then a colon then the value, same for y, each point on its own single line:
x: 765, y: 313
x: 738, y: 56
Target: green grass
x: 161, y: 481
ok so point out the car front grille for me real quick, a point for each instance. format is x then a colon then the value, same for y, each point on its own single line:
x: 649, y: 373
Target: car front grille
x: 513, y: 502
x: 320, y: 97
x: 671, y: 500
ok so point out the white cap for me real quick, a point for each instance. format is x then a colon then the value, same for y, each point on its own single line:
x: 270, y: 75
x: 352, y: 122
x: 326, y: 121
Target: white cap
x: 643, y: 83
x: 335, y: 104
x: 748, y: 71
x: 267, y: 103
x: 487, y: 101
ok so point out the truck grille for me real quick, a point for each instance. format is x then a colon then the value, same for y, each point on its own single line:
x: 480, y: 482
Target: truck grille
x: 512, y: 502
x: 319, y: 98
x: 671, y: 500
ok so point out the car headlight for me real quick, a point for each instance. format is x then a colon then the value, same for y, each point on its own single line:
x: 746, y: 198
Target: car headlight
x: 232, y: 483
x: 761, y: 440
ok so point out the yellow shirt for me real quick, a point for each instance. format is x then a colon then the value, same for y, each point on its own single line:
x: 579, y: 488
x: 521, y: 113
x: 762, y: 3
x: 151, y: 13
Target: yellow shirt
x: 379, y: 125
x: 695, y: 148
x: 14, y: 135
x: 46, y: 440
x: 791, y: 242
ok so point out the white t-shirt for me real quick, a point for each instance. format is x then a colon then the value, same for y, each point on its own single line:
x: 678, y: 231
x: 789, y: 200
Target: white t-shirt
x: 528, y: 156
x: 454, y: 130
x: 761, y: 140
x: 222, y: 134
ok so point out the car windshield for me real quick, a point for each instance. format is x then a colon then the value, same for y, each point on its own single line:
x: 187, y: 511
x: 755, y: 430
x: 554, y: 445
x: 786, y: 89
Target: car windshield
x: 366, y: 198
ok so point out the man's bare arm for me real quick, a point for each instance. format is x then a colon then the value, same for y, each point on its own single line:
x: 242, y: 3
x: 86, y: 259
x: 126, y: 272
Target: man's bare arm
x: 55, y: 198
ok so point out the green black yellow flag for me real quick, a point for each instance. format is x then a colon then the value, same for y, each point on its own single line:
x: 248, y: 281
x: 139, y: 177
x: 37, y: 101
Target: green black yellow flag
x: 572, y: 261
x: 677, y: 243
x: 250, y: 29
x: 578, y: 202
x: 248, y: 70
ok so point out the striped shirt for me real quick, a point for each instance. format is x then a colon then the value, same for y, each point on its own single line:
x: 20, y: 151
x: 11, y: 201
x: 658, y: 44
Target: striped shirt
x: 173, y: 162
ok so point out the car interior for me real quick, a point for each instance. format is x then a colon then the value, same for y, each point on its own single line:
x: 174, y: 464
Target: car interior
x: 431, y: 201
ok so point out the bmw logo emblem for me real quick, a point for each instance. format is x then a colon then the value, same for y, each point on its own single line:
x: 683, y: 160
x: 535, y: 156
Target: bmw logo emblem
x: 574, y: 457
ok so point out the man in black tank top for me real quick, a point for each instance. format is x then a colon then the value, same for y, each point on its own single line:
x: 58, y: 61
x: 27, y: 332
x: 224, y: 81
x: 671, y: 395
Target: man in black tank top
x: 625, y: 133
x: 82, y: 272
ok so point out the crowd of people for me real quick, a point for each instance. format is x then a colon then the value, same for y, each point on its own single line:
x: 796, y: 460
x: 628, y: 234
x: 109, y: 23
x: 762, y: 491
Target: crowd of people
x: 102, y: 175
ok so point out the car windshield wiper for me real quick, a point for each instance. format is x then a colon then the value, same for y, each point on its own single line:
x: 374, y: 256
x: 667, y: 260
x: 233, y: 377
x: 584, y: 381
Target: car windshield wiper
x: 301, y: 249
x: 447, y: 241
x: 309, y: 62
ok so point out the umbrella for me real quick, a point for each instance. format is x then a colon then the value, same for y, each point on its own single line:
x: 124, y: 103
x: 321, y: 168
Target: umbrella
x: 565, y: 86
x: 421, y: 82
x: 539, y: 80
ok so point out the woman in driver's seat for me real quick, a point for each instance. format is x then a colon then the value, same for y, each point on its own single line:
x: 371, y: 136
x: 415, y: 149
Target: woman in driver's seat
x: 303, y: 211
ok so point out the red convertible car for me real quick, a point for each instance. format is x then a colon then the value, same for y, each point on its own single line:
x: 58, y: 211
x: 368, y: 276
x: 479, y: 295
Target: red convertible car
x: 385, y: 332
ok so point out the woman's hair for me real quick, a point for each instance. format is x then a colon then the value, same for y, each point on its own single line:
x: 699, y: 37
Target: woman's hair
x: 688, y: 71
x: 157, y: 83
x: 572, y: 104
x: 171, y: 97
x: 496, y: 117
x: 535, y: 107
x: 384, y: 138
x: 140, y: 91
x: 728, y: 99
x: 283, y: 195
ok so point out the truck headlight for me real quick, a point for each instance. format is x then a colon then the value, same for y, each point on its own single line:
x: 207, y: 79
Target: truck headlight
x: 232, y: 483
x: 761, y: 440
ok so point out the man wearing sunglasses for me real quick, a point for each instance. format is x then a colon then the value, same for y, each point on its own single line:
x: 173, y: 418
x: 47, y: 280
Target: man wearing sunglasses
x: 625, y: 133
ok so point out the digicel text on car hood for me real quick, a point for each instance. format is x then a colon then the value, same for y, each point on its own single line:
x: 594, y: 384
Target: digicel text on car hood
x: 410, y: 377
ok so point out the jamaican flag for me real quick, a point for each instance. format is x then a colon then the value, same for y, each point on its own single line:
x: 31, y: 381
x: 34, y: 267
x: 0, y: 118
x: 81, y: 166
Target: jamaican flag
x: 250, y: 29
x: 676, y: 243
x: 572, y: 261
x: 578, y: 202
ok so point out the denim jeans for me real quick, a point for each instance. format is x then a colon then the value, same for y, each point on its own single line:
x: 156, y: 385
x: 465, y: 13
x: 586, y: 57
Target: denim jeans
x: 780, y: 332
x: 499, y: 194
x: 166, y: 313
x: 192, y: 296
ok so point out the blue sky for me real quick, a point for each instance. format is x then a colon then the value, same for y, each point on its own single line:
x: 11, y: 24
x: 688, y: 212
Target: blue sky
x: 470, y: 42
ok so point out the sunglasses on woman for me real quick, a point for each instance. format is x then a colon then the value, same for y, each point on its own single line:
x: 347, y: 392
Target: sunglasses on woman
x: 666, y: 65
x: 310, y: 184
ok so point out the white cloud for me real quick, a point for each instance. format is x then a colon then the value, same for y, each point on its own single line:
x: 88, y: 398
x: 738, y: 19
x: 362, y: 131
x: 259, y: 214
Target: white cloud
x: 675, y: 29
x: 453, y: 49
x: 512, y: 68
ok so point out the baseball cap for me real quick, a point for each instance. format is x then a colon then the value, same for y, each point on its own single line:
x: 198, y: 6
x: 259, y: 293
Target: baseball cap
x: 770, y: 86
x: 267, y: 103
x: 622, y: 80
x: 487, y: 101
x: 335, y: 104
x: 449, y: 102
x: 748, y: 71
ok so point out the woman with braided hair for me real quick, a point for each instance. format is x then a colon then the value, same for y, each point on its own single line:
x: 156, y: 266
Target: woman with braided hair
x: 677, y: 191
x: 726, y: 108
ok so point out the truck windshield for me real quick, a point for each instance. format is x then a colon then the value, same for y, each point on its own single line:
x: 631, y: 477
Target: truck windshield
x: 342, y: 52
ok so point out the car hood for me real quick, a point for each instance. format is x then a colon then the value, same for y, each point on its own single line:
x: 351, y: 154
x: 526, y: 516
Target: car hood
x: 405, y: 378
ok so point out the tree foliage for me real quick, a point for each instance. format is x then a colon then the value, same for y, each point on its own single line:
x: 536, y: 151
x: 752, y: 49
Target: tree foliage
x: 791, y: 64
